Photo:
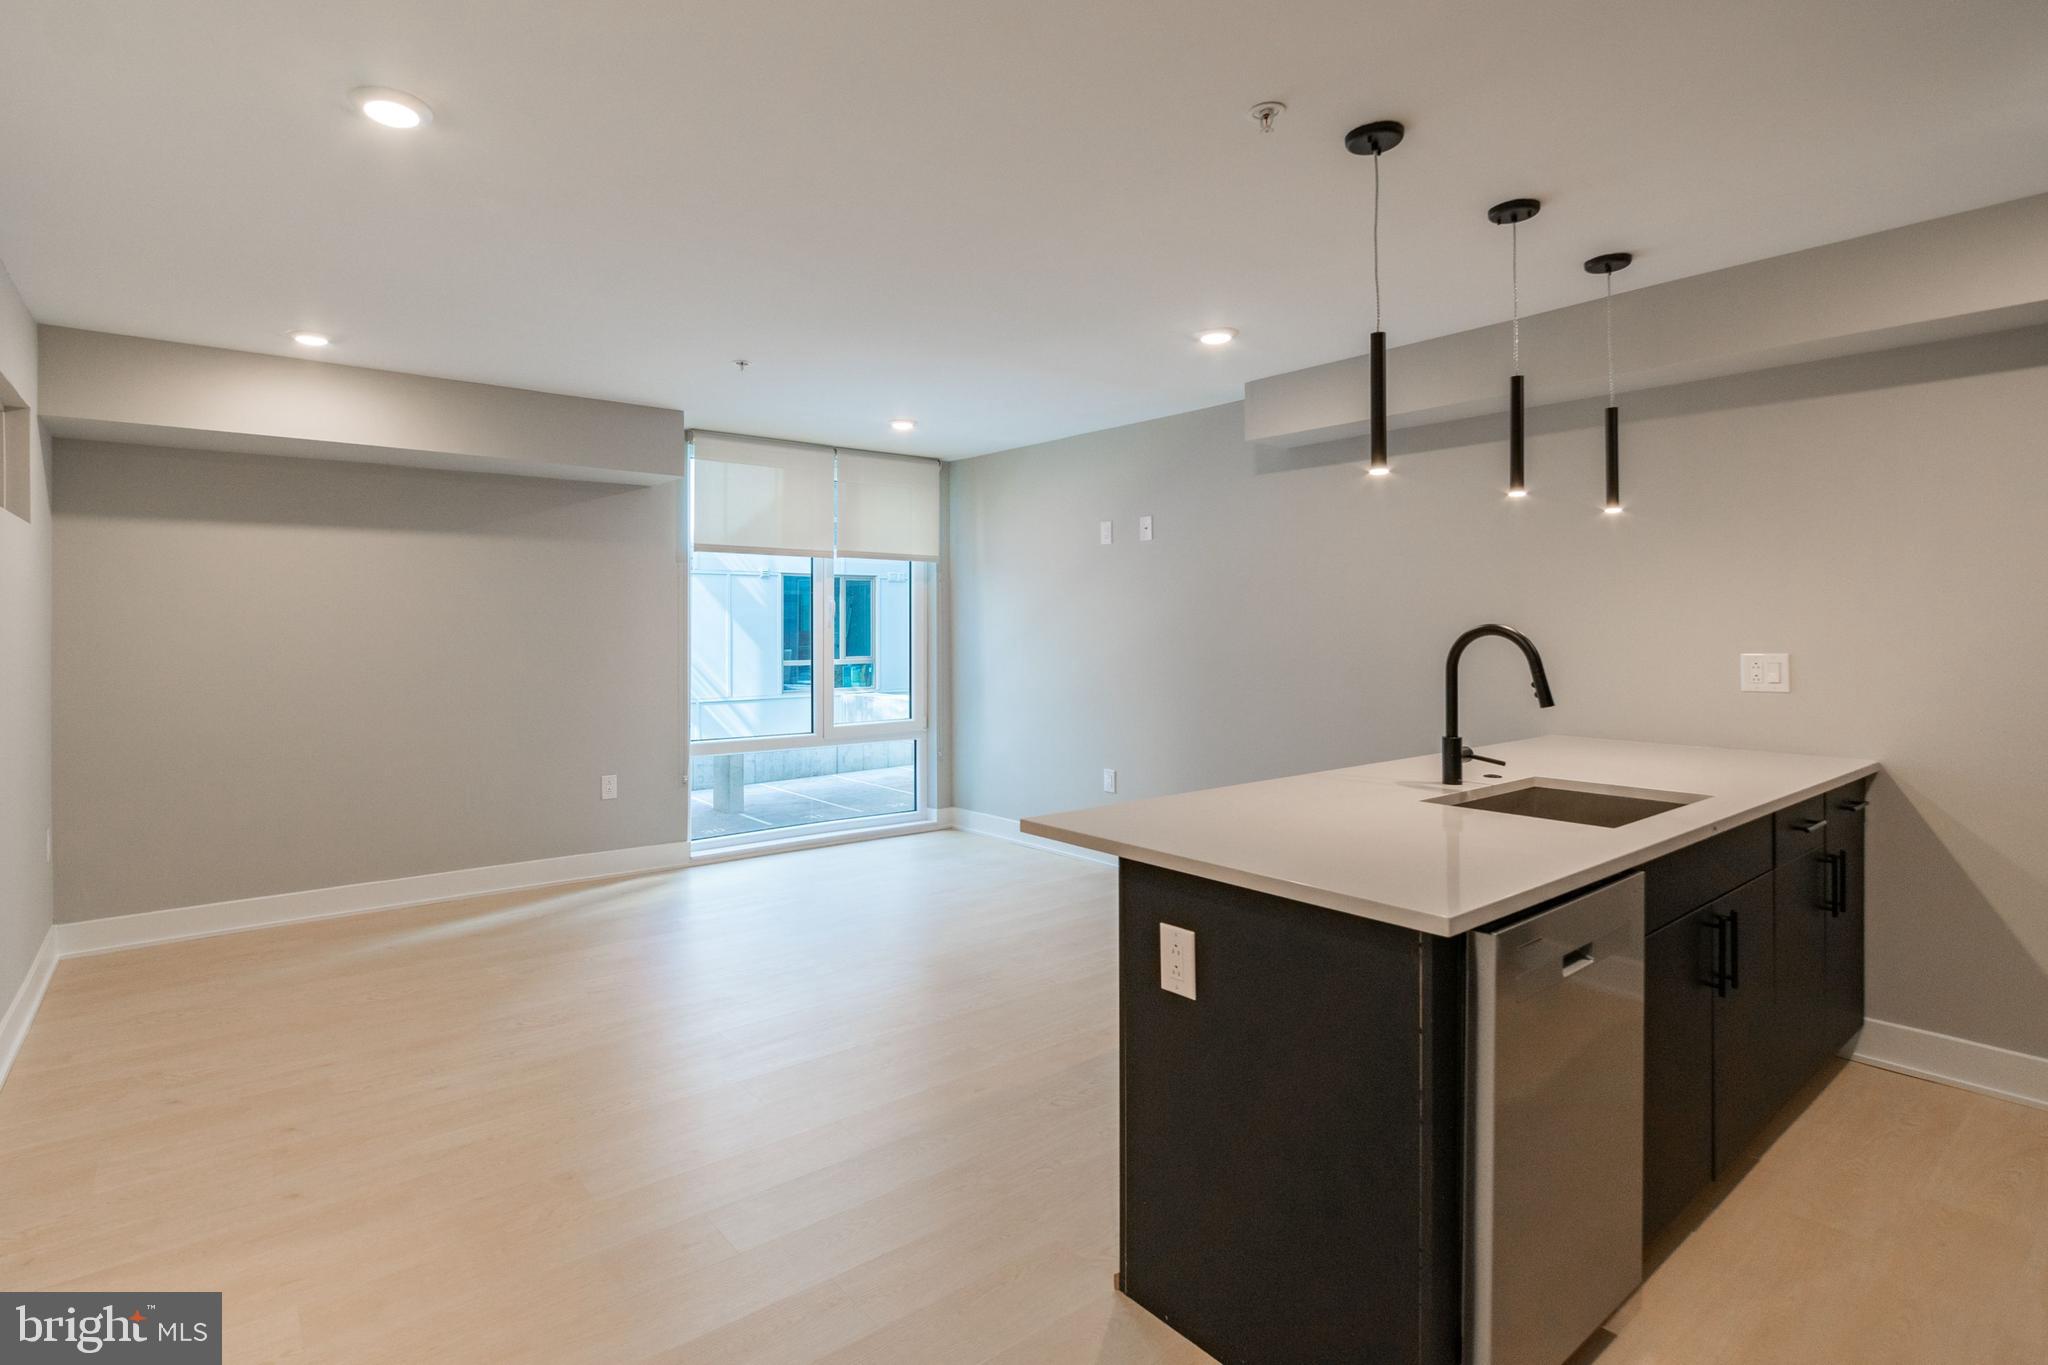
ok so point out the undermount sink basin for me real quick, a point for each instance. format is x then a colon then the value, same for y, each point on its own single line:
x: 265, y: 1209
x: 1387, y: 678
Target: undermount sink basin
x: 1575, y: 803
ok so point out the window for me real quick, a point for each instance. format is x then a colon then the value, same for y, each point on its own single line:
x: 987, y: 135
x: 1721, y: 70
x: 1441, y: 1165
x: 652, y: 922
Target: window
x: 853, y: 656
x: 736, y: 794
x: 809, y: 658
x: 750, y: 621
x: 872, y: 667
x: 853, y: 651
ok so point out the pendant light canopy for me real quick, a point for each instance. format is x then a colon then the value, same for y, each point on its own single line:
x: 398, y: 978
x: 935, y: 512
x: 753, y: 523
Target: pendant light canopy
x: 1606, y: 265
x: 1376, y: 140
x: 1512, y: 214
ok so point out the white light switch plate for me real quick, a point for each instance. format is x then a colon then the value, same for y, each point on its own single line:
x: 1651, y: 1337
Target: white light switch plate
x: 1108, y: 532
x: 1766, y: 673
x: 1109, y: 779
x: 1144, y: 528
x: 1177, y: 960
x: 608, y: 787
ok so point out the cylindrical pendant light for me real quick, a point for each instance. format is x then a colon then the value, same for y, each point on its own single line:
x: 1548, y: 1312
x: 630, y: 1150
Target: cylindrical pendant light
x: 1607, y: 265
x: 1513, y: 213
x: 1375, y: 140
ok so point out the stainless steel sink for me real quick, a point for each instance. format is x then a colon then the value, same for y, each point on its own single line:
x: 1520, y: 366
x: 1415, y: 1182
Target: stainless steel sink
x: 1575, y: 803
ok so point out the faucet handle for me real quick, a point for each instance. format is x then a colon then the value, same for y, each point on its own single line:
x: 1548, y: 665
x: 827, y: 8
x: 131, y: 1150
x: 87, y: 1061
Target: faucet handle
x: 1471, y: 757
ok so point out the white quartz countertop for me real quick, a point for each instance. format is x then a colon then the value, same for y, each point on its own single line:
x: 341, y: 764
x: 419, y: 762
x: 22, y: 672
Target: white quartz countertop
x: 1367, y: 840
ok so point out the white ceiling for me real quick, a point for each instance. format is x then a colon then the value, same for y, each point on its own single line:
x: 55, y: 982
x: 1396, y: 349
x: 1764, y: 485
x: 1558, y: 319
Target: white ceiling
x: 1003, y: 220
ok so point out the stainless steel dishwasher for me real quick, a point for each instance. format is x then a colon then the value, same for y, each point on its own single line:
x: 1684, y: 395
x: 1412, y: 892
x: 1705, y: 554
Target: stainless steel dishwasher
x: 1555, y: 1152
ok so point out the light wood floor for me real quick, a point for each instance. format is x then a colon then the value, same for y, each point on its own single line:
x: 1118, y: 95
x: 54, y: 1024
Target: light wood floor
x: 850, y: 1105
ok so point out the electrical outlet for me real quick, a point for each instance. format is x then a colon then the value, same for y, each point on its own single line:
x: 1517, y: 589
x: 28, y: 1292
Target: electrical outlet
x: 1766, y: 673
x: 1144, y: 528
x: 1177, y: 960
x: 608, y: 787
x: 1109, y: 779
x: 1108, y: 532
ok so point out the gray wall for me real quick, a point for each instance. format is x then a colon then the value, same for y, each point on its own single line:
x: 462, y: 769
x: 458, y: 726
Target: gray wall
x: 24, y: 680
x: 278, y: 674
x: 98, y: 386
x: 1884, y: 519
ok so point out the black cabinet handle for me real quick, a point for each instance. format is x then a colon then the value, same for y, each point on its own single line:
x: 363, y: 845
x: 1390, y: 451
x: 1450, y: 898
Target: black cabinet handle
x: 1857, y: 807
x: 1718, y: 977
x: 1811, y: 826
x: 1831, y: 882
x: 1838, y: 902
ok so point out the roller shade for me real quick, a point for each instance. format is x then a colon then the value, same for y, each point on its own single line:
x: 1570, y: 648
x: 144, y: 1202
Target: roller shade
x: 750, y: 496
x: 888, y: 506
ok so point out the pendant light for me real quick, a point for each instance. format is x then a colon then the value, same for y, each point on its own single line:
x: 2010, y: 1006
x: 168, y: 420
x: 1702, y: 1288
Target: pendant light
x: 1375, y: 140
x: 1512, y: 215
x: 1606, y: 265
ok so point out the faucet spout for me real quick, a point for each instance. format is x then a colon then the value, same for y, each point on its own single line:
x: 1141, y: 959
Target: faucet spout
x: 1455, y: 752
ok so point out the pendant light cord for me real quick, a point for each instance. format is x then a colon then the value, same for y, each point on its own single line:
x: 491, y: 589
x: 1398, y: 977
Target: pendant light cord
x: 1515, y: 286
x: 1376, y: 243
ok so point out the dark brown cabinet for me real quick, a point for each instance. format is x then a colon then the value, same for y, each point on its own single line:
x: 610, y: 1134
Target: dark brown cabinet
x: 1846, y: 808
x: 1293, y: 1151
x: 1747, y: 1080
x: 1803, y: 1039
x: 1294, y: 1177
x: 1749, y: 988
x: 1820, y: 933
x: 1679, y: 964
x: 1710, y: 1077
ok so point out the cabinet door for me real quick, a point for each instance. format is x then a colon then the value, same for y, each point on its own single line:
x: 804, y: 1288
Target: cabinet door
x: 1679, y: 964
x: 1844, y: 995
x: 1803, y: 1039
x: 1748, y: 1066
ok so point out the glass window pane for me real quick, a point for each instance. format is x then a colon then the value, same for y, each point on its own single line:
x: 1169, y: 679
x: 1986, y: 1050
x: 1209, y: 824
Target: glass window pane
x: 856, y: 618
x: 750, y: 646
x: 782, y: 788
x: 871, y: 673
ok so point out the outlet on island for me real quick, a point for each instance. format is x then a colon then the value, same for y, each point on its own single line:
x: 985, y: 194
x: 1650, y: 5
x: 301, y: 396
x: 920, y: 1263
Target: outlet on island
x: 1177, y: 960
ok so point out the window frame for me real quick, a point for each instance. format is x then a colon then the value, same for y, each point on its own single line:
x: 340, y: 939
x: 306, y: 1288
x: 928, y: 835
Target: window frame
x: 824, y: 733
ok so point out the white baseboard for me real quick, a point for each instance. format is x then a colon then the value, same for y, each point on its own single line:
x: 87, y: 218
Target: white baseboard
x: 1001, y: 827
x: 292, y: 907
x: 21, y: 1012
x: 1954, y: 1061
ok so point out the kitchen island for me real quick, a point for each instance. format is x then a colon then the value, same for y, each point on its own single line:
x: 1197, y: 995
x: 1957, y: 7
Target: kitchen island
x: 1298, y: 1094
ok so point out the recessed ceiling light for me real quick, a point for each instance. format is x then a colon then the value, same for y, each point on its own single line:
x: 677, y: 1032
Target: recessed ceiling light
x: 314, y: 339
x: 903, y: 424
x: 392, y: 108
x: 1217, y: 336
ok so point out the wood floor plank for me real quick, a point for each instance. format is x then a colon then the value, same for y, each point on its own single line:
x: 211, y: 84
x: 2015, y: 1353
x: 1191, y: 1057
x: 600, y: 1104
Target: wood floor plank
x: 848, y: 1106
